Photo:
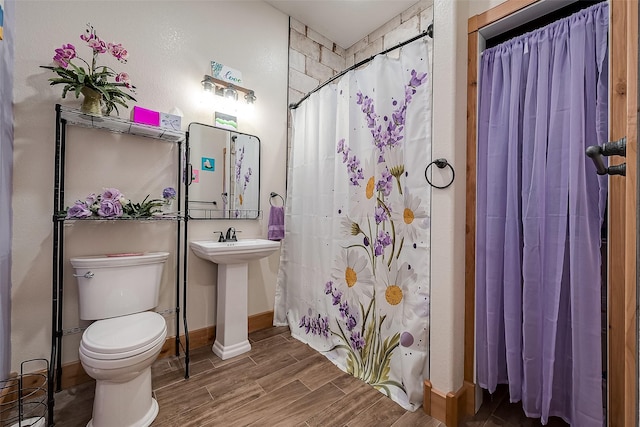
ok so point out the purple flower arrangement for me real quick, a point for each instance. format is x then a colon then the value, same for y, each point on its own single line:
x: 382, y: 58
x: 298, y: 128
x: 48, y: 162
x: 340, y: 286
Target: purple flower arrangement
x: 111, y: 203
x: 75, y: 76
x: 169, y: 194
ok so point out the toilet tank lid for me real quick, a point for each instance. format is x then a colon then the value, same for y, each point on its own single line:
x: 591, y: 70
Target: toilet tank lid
x: 124, y: 334
x: 104, y: 261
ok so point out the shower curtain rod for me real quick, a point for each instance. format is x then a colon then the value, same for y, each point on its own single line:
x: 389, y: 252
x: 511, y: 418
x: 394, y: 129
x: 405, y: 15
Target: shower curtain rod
x: 428, y: 32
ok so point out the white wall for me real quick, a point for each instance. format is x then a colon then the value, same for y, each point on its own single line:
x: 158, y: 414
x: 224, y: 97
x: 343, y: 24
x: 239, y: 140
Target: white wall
x: 170, y: 47
x: 448, y: 214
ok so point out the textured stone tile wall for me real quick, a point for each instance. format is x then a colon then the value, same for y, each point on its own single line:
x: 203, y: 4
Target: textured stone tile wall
x: 314, y: 59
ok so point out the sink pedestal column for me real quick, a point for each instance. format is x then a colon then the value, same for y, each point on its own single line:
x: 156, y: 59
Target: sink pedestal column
x: 231, y: 318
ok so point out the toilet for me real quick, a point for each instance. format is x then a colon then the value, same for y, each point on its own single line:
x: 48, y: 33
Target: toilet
x: 119, y: 347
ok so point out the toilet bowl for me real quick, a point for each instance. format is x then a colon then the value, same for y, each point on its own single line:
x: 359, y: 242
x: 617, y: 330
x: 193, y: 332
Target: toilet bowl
x: 118, y: 349
x: 118, y: 354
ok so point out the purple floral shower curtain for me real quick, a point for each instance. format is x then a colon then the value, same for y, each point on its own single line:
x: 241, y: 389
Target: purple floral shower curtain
x: 354, y: 271
x: 540, y: 204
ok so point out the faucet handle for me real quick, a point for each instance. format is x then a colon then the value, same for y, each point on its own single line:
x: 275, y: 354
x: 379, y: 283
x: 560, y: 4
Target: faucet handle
x: 231, y: 235
x: 221, y: 237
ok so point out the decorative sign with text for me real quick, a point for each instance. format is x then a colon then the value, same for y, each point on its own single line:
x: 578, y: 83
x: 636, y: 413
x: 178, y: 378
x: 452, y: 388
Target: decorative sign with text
x: 228, y: 74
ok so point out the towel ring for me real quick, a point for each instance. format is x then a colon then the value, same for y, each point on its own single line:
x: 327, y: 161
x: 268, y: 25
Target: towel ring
x: 273, y: 194
x: 441, y: 164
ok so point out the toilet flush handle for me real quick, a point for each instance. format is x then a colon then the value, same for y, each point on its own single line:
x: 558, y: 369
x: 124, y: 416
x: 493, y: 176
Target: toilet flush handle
x: 87, y: 275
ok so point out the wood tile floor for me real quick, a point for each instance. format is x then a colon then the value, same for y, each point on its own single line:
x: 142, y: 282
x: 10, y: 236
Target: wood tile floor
x: 280, y: 382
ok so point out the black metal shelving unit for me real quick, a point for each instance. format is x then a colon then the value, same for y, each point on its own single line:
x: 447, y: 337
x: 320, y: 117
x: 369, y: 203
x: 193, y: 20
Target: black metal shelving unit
x: 66, y: 117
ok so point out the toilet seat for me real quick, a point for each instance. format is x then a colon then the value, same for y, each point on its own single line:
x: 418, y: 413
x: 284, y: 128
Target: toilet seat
x: 123, y: 337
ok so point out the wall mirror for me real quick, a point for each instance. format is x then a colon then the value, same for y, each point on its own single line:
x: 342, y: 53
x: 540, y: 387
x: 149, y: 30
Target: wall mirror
x: 225, y: 173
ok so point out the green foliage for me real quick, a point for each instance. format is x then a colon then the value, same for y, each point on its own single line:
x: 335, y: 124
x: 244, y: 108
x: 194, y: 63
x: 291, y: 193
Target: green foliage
x: 77, y: 78
x: 144, y: 209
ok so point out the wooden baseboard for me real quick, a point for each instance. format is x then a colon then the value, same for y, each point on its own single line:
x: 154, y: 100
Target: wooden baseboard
x: 260, y: 321
x: 451, y: 407
x: 73, y: 374
x: 8, y: 389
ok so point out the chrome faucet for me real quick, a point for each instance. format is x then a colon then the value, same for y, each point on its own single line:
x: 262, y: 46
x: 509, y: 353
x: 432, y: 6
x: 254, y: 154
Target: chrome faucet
x: 231, y: 235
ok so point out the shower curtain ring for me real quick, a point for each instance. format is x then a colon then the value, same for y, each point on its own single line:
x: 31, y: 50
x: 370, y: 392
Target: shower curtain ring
x: 441, y: 164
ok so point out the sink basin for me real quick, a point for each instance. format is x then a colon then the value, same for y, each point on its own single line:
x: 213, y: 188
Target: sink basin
x: 242, y: 251
x: 233, y: 258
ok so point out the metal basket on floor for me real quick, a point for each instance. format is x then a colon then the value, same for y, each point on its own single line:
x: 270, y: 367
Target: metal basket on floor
x: 23, y: 398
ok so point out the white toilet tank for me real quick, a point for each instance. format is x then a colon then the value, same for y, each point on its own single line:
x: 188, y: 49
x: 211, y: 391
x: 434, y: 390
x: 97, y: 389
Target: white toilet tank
x: 117, y: 285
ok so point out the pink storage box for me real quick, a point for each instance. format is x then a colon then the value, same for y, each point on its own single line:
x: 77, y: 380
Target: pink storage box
x: 144, y: 116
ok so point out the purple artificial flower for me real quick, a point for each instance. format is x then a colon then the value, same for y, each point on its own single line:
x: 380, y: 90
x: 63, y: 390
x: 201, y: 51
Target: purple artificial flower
x: 118, y: 52
x: 91, y: 199
x: 124, y: 78
x: 110, y: 208
x: 111, y: 194
x: 357, y: 342
x: 341, y: 147
x: 88, y: 73
x: 89, y: 34
x: 97, y: 45
x: 79, y: 210
x: 169, y: 193
x: 65, y: 54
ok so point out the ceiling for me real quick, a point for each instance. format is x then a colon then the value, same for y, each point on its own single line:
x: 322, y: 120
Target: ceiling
x: 342, y: 21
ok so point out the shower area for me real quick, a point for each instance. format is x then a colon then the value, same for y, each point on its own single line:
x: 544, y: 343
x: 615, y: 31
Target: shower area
x: 357, y: 279
x: 354, y: 281
x: 552, y: 295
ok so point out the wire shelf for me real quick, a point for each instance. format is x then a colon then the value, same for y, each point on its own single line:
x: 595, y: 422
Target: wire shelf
x: 119, y: 125
x: 24, y: 398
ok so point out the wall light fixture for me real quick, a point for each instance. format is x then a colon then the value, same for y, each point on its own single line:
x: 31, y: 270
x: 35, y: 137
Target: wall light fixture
x: 226, y: 89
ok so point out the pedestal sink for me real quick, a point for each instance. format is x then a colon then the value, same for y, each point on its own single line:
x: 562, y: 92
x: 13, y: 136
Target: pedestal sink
x: 232, y: 259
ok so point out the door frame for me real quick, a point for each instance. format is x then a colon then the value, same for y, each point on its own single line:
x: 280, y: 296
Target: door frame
x: 622, y: 336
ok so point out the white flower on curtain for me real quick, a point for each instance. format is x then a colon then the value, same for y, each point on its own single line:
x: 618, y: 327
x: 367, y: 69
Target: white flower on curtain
x: 373, y: 292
